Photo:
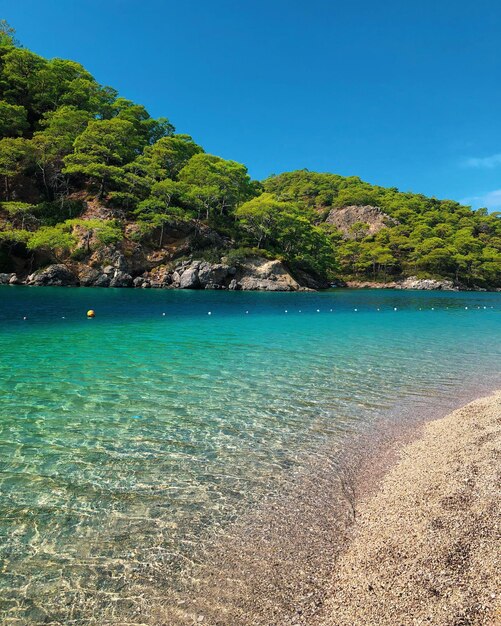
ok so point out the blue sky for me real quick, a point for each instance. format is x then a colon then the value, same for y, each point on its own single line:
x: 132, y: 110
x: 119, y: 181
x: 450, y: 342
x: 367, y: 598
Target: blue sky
x: 400, y: 93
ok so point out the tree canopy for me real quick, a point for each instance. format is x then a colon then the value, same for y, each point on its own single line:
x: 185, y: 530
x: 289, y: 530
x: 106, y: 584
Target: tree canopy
x: 66, y: 140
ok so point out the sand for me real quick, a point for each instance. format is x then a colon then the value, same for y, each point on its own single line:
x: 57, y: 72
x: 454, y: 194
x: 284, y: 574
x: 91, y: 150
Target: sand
x: 425, y: 546
x: 404, y: 530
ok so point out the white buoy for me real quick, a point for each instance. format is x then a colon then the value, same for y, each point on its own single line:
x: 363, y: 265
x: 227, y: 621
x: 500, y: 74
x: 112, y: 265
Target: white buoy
x: 395, y: 308
x: 246, y: 312
x: 300, y: 310
x: 465, y: 308
x: 286, y: 311
x: 318, y: 310
x: 355, y: 310
x: 209, y: 313
x: 163, y: 314
x: 432, y: 308
x: 25, y: 318
x: 377, y: 309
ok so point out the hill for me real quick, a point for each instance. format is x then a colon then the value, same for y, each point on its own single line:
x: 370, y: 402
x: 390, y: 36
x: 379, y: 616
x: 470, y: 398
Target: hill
x: 93, y: 185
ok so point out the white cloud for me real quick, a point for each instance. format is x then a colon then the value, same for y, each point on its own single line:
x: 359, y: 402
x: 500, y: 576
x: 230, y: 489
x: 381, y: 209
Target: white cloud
x: 491, y: 200
x: 488, y: 162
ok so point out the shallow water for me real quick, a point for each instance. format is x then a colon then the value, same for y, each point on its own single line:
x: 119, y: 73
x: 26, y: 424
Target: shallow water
x: 126, y: 438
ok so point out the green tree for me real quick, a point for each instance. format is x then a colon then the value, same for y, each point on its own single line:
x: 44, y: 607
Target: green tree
x: 215, y: 185
x: 260, y: 217
x: 15, y: 156
x: 55, y: 240
x: 101, y: 151
x: 60, y: 130
x: 13, y: 120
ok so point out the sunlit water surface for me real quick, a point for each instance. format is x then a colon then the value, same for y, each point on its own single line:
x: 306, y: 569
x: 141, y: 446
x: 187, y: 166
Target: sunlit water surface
x: 126, y: 438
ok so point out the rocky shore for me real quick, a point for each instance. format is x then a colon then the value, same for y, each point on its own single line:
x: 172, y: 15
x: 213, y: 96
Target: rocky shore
x: 250, y: 274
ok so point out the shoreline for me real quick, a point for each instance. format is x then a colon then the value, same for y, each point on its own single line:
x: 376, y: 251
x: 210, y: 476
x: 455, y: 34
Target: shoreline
x: 308, y: 565
x: 425, y: 546
x: 278, y: 564
x: 348, y: 287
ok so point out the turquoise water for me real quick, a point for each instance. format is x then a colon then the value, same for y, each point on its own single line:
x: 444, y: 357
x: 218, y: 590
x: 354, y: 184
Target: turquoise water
x: 125, y: 438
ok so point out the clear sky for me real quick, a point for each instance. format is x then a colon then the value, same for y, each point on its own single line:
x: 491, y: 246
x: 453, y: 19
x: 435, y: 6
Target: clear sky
x: 401, y: 93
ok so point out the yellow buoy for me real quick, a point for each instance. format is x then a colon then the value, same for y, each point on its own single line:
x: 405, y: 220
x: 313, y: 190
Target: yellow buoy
x: 91, y: 313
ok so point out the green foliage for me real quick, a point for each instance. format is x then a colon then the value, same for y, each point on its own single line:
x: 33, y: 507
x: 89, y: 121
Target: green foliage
x: 288, y: 230
x: 215, y: 186
x: 102, y: 150
x: 56, y: 240
x: 14, y: 235
x: 105, y: 232
x: 13, y: 120
x: 7, y: 34
x: 65, y: 138
x: 426, y: 236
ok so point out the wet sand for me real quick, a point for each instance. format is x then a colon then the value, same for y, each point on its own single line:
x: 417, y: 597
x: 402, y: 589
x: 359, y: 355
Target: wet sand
x: 426, y: 545
x: 405, y: 532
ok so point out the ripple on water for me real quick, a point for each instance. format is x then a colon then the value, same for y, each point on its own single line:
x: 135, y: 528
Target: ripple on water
x: 125, y: 440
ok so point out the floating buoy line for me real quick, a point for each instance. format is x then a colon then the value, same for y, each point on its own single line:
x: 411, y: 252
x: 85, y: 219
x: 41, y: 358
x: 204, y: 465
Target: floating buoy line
x: 92, y: 314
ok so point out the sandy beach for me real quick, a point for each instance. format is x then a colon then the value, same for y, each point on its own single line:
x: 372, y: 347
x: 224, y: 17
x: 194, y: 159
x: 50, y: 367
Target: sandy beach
x: 408, y: 535
x: 426, y: 545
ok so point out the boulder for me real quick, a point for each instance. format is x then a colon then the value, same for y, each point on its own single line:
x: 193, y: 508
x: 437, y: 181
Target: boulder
x: 189, y: 279
x: 88, y: 276
x: 53, y: 276
x: 259, y: 274
x: 15, y: 280
x: 212, y: 274
x: 5, y: 278
x: 121, y: 279
x: 103, y: 280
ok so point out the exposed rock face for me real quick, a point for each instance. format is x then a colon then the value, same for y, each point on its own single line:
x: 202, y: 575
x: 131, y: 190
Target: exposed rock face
x: 103, y: 280
x: 252, y: 274
x: 408, y: 283
x: 53, y: 276
x: 189, y: 279
x: 427, y: 283
x: 346, y: 217
x: 121, y: 279
x: 212, y: 274
x: 257, y: 274
x: 88, y: 276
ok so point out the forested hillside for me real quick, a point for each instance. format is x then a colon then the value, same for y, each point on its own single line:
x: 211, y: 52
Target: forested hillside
x: 85, y: 172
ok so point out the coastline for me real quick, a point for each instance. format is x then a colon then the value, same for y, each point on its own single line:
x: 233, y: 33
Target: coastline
x: 425, y: 547
x: 415, y: 502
